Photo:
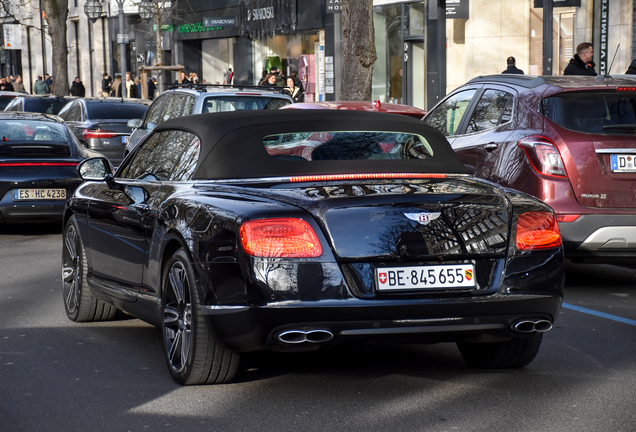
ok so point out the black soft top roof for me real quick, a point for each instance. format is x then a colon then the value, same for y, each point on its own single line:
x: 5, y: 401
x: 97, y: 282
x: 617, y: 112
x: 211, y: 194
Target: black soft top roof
x: 232, y: 143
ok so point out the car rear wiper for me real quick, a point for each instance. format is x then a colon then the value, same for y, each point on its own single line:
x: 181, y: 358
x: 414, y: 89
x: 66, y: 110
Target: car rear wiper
x: 626, y: 126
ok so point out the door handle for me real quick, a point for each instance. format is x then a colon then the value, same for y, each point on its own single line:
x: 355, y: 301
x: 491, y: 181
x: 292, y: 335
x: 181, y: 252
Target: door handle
x: 490, y: 146
x: 142, y: 208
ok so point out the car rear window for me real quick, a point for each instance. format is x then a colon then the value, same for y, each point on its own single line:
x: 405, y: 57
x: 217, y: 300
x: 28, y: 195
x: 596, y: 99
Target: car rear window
x: 239, y: 103
x: 312, y: 146
x: 47, y: 106
x: 118, y: 110
x: 33, y: 138
x: 593, y: 112
x: 4, y: 101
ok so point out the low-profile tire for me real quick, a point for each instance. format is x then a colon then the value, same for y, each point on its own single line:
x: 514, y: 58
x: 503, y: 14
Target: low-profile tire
x: 193, y: 354
x: 79, y: 302
x: 515, y: 353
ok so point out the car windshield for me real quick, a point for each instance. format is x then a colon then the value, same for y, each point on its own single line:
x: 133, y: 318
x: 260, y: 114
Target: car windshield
x: 310, y: 146
x: 33, y: 138
x: 238, y: 103
x: 593, y: 112
x: 44, y: 105
x: 117, y: 110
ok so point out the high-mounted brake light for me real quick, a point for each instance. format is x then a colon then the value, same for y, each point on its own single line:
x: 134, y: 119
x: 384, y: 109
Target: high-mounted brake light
x: 280, y: 238
x: 331, y: 177
x: 537, y: 230
x: 543, y: 155
x: 87, y: 134
x: 626, y: 89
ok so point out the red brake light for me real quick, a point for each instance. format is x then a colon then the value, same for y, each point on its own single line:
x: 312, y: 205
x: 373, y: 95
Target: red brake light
x: 280, y: 238
x: 332, y: 177
x: 626, y: 89
x: 543, y: 155
x: 98, y: 134
x: 537, y: 230
x: 567, y: 217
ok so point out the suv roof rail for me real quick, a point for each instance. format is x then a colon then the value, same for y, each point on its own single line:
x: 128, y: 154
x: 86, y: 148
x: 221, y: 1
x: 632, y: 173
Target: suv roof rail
x: 529, y: 81
x: 204, y: 86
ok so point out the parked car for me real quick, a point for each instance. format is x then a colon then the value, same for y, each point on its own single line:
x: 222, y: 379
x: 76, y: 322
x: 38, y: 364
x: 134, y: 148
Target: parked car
x: 46, y: 104
x: 375, y: 106
x: 191, y: 99
x: 101, y: 123
x: 6, y: 97
x: 38, y: 161
x: 207, y: 231
x: 568, y: 140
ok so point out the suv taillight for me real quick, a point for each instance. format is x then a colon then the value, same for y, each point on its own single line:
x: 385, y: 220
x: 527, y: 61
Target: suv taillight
x: 543, y: 155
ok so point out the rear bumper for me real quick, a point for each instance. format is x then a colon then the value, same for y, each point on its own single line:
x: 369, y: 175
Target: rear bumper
x: 245, y: 329
x: 600, y: 237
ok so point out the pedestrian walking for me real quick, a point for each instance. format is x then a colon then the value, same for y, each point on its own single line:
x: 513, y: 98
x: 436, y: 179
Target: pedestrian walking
x: 581, y: 63
x: 293, y: 90
x: 512, y: 67
x: 48, y: 79
x: 4, y: 85
x: 77, y: 88
x: 40, y: 86
x: 107, y: 85
x: 129, y: 88
x: 18, y: 85
x: 116, y: 87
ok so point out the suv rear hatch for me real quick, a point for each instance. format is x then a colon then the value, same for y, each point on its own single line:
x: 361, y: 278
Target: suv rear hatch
x: 597, y: 131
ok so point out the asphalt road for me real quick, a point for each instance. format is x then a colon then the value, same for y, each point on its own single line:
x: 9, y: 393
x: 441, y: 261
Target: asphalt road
x: 56, y: 375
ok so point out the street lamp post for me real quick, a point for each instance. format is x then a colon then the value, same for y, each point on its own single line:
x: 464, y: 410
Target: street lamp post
x: 93, y: 10
x: 122, y: 47
x: 145, y: 13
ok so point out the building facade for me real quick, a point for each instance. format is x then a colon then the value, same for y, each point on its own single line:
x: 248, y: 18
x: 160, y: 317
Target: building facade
x: 414, y: 65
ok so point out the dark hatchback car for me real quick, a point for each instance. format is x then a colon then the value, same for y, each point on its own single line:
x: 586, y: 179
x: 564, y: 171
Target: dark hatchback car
x: 38, y: 161
x: 45, y: 104
x: 101, y: 123
x: 229, y: 246
x: 570, y: 141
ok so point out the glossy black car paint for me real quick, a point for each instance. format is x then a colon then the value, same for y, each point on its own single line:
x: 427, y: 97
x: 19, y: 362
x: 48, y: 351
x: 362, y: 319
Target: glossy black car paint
x: 33, y: 171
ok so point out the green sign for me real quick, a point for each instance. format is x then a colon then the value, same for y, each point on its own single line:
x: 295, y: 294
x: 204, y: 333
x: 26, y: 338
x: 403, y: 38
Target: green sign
x: 164, y: 27
x: 195, y: 28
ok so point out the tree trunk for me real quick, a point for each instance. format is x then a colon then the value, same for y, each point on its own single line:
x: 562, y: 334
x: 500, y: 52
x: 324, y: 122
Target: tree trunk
x: 358, y: 51
x: 56, y: 13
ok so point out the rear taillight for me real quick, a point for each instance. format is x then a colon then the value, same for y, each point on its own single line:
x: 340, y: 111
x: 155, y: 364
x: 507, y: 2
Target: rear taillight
x: 567, y: 217
x: 537, y: 230
x: 543, y: 155
x: 280, y: 238
x: 87, y: 134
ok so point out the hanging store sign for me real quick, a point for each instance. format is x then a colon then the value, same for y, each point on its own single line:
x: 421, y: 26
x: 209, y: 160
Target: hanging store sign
x: 12, y: 36
x: 219, y: 21
x: 559, y: 3
x: 456, y: 9
x: 603, y: 59
x: 334, y: 6
x: 262, y: 19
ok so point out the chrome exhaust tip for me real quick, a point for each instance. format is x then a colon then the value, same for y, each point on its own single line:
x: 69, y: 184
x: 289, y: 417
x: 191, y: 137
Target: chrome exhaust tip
x: 302, y: 336
x: 531, y: 326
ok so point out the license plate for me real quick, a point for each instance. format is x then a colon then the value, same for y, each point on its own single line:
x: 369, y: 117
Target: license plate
x: 39, y: 194
x: 623, y: 163
x: 425, y: 277
x: 124, y: 139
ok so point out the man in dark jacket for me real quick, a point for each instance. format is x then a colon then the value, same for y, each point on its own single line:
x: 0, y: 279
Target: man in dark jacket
x: 512, y: 68
x: 582, y: 63
x: 77, y: 88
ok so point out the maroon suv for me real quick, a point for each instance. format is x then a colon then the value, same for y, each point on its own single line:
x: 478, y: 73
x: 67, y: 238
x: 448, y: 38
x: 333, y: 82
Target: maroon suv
x: 568, y: 140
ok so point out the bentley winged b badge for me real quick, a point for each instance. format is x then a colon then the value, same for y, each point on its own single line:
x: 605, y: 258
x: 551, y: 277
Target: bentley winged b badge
x: 423, y: 218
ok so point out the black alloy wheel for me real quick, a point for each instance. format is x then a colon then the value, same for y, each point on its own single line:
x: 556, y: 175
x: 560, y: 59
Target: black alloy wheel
x: 79, y: 301
x: 193, y: 354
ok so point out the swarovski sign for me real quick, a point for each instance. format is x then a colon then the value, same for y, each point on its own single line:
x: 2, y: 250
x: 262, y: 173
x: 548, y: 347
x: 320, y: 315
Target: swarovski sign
x: 262, y: 19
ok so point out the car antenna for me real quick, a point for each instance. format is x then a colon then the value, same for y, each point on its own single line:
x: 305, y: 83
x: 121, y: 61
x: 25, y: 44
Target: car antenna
x: 606, y: 77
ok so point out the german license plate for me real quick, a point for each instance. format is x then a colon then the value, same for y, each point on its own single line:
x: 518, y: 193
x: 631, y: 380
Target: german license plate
x: 623, y: 163
x: 39, y: 194
x: 425, y: 277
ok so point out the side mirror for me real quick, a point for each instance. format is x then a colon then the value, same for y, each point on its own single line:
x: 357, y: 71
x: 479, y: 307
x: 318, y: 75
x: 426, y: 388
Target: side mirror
x: 134, y: 123
x: 95, y: 169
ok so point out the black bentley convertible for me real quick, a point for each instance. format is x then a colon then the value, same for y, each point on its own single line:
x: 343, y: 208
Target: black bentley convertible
x: 246, y: 231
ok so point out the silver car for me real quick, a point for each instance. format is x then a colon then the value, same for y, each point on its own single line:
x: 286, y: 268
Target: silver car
x: 207, y: 98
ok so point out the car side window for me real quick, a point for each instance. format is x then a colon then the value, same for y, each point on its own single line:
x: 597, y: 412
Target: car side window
x: 174, y: 106
x: 191, y: 148
x: 448, y: 115
x: 188, y: 106
x: 64, y: 111
x: 154, y: 113
x: 494, y: 108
